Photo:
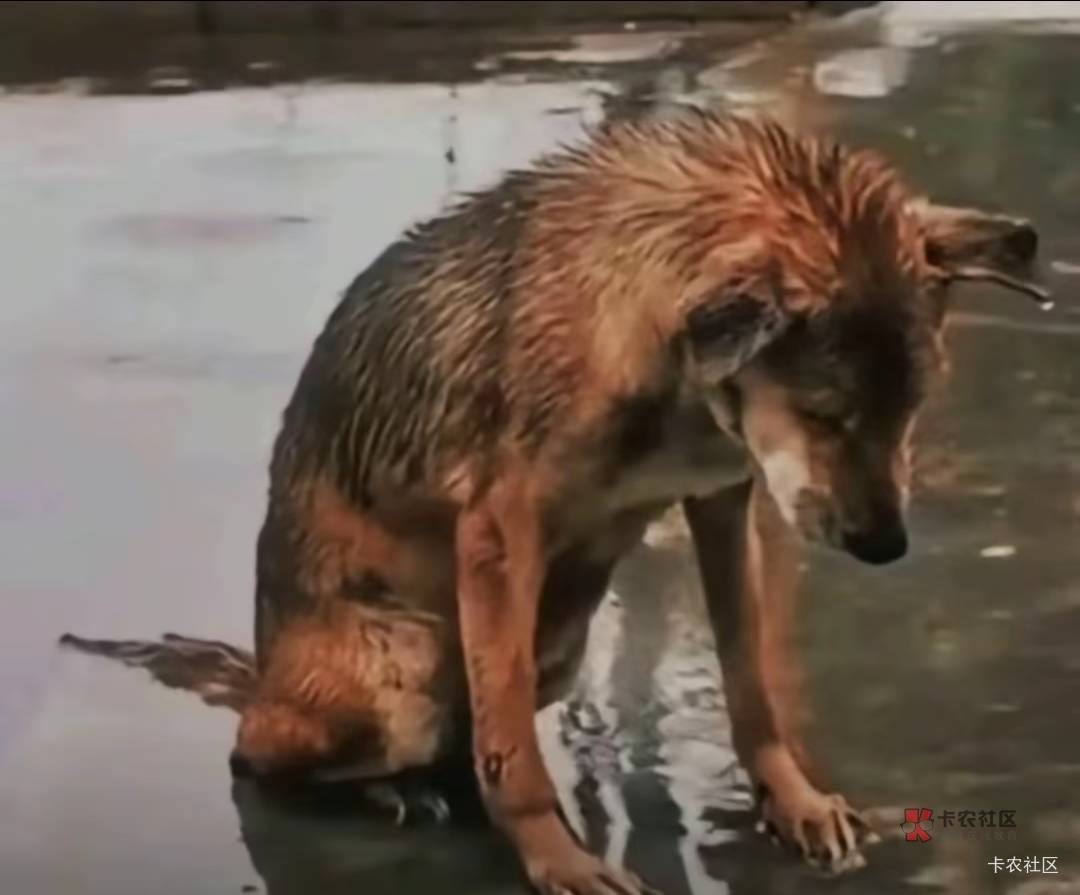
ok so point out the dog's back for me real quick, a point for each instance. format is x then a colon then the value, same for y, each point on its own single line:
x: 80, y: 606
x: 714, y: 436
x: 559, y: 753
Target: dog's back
x: 508, y: 395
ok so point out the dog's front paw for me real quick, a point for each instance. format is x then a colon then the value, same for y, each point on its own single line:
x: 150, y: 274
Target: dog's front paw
x: 828, y: 833
x: 582, y: 874
x: 557, y: 865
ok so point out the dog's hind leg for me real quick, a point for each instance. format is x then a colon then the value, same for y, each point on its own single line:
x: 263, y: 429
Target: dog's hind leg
x: 281, y: 739
x: 354, y: 695
x: 749, y: 564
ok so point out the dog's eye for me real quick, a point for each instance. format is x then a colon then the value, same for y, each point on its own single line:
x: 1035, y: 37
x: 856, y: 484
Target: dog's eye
x: 828, y: 407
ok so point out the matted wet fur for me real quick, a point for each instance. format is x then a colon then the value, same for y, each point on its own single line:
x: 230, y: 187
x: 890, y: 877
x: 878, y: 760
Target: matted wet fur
x: 703, y: 309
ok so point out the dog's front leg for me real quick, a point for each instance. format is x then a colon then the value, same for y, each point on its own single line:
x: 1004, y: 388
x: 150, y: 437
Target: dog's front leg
x: 749, y: 566
x: 500, y: 576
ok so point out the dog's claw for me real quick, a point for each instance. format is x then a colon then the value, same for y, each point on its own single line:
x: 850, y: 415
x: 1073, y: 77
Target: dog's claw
x: 437, y: 807
x: 388, y: 798
x: 407, y: 806
x: 826, y: 832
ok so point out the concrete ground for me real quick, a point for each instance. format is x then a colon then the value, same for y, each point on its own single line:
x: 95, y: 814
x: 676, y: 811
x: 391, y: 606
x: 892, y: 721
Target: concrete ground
x: 167, y: 261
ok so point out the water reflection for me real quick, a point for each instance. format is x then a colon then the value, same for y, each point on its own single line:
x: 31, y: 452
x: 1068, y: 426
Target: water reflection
x: 326, y: 843
x: 642, y: 758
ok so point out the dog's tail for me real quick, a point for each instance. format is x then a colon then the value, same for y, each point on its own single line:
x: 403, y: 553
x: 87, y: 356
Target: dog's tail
x: 222, y: 675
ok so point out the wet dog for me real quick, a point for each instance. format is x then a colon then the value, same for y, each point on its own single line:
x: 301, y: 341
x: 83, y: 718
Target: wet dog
x: 705, y: 310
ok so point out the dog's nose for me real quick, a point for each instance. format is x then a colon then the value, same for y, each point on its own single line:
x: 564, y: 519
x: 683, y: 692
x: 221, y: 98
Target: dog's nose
x: 877, y: 547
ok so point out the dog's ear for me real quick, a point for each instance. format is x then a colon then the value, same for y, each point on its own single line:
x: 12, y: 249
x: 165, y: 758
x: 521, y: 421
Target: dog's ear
x: 968, y: 244
x: 725, y: 329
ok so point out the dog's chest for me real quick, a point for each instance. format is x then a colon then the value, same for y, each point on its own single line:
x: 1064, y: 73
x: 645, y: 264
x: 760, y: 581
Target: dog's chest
x: 666, y: 451
x: 654, y: 454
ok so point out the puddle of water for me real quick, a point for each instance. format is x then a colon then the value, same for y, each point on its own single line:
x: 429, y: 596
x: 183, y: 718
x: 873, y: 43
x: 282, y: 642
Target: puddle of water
x: 1065, y: 267
x: 174, y: 258
x: 923, y: 22
x: 599, y: 49
x: 862, y: 73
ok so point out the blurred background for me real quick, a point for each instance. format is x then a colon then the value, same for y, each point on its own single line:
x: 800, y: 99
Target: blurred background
x: 186, y: 189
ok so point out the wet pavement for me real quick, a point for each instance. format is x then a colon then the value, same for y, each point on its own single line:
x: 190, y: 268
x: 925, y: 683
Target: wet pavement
x: 167, y: 262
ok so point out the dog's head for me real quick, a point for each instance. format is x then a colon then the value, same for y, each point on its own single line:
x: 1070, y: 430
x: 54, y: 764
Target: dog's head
x: 818, y: 353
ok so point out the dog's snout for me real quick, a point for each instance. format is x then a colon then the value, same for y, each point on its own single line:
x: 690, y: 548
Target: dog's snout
x: 879, y: 546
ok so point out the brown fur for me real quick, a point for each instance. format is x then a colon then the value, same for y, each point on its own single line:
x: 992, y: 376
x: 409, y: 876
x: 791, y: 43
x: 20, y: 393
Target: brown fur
x: 506, y: 397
